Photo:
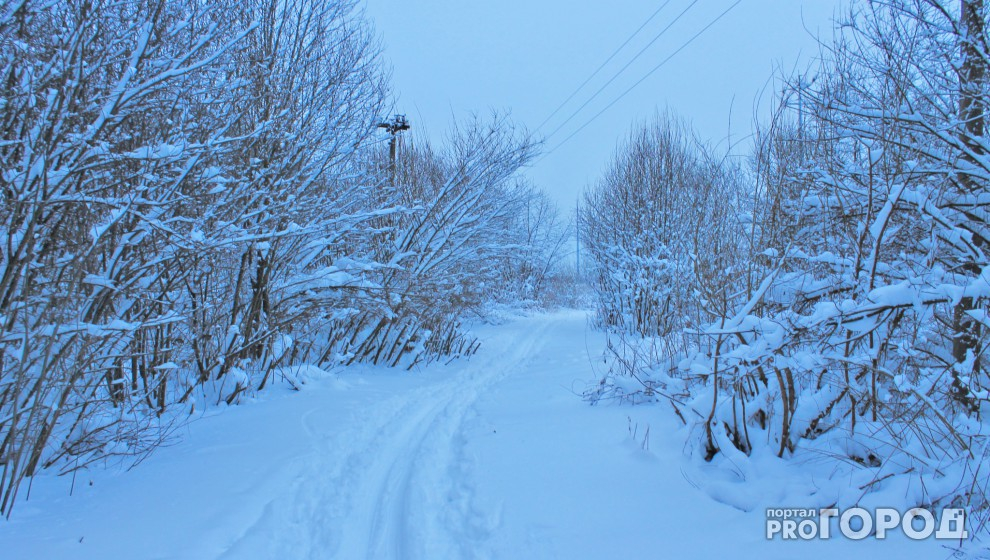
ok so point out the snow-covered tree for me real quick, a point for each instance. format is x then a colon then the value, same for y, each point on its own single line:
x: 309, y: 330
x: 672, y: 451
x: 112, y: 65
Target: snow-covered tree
x: 655, y: 227
x: 860, y: 331
x: 174, y: 177
x: 538, y: 237
x: 454, y: 222
x: 100, y: 158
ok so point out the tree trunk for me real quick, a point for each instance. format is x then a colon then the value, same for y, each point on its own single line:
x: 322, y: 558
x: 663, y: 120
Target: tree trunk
x: 972, y: 115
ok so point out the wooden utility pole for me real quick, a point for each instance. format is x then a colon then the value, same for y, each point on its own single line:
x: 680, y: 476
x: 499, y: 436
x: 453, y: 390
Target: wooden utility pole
x: 398, y: 124
x: 577, y: 234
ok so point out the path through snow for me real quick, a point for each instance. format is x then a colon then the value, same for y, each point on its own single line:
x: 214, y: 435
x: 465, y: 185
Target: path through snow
x: 492, y: 457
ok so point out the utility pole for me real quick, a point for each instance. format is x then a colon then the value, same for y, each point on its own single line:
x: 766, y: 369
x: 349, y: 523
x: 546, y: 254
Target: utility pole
x: 577, y: 234
x: 398, y: 124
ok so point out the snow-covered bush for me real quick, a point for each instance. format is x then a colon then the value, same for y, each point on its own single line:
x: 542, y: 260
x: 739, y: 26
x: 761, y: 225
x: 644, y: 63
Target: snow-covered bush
x: 313, y: 94
x: 532, y: 271
x: 454, y: 220
x: 171, y: 175
x: 856, y: 334
x: 655, y: 229
x: 187, y: 205
x: 105, y: 169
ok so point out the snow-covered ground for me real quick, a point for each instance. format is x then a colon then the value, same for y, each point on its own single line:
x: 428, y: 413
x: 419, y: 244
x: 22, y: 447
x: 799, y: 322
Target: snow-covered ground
x: 493, y: 457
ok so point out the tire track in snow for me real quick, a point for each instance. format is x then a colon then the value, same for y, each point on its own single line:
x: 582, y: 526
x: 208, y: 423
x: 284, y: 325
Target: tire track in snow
x: 423, y: 457
x: 384, y: 483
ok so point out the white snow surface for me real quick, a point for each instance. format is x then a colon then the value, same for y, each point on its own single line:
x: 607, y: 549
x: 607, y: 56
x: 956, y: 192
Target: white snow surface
x: 497, y: 456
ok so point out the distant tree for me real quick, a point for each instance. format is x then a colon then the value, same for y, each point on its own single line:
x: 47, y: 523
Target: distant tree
x: 654, y: 228
x: 537, y: 237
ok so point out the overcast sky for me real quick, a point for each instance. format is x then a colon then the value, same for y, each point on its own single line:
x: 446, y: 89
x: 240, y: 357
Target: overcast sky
x: 453, y: 57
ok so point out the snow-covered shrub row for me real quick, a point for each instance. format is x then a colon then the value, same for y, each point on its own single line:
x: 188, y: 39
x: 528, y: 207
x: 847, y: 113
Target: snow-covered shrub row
x: 445, y: 252
x: 187, y: 204
x: 853, y: 331
x: 163, y: 162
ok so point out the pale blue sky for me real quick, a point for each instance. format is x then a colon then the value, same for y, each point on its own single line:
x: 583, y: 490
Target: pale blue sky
x: 452, y: 57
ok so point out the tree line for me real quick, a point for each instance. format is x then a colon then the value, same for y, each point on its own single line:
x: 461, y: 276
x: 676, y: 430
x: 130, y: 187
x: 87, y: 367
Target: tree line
x: 196, y: 195
x: 831, y: 293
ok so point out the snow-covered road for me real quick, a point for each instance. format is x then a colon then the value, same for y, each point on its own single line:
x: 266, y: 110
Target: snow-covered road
x: 492, y: 457
x: 390, y: 481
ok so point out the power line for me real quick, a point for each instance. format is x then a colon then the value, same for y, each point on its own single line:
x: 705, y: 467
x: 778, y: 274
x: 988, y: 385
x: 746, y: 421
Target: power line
x: 641, y: 80
x: 623, y: 69
x: 599, y: 69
